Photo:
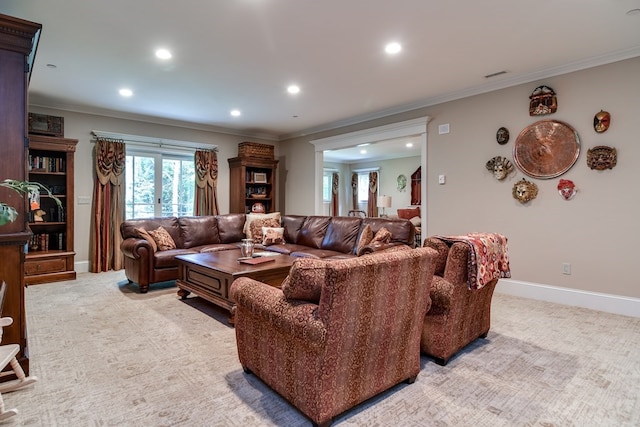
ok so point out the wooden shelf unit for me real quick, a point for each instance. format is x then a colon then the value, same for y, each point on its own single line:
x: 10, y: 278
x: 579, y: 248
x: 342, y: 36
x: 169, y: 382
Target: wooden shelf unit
x: 250, y: 176
x: 51, y: 256
x: 18, y: 42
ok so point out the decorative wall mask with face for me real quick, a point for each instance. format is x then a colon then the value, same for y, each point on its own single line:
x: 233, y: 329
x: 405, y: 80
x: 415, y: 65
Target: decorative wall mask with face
x: 543, y: 101
x: 524, y: 191
x: 602, y: 157
x: 601, y: 121
x: 500, y: 167
x: 567, y: 189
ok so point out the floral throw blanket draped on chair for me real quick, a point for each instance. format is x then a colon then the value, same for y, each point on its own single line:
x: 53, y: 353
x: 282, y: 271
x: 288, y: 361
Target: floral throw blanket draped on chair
x: 488, y: 257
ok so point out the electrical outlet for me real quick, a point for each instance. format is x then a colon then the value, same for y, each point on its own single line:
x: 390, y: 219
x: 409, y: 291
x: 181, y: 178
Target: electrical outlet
x: 566, y: 268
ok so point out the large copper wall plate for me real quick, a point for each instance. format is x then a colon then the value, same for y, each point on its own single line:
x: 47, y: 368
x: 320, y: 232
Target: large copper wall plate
x: 546, y: 149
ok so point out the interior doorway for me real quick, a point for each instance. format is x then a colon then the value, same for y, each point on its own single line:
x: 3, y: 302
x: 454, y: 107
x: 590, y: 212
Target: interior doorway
x: 410, y: 128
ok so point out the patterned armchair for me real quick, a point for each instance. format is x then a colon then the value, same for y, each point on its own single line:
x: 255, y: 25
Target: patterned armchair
x: 339, y: 332
x: 461, y: 309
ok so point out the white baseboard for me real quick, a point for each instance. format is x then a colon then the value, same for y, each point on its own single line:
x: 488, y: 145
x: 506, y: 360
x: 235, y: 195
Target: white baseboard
x: 615, y: 304
x: 81, y: 266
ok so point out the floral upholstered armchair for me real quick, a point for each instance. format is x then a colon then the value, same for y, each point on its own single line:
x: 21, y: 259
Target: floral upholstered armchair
x: 339, y: 332
x: 467, y: 269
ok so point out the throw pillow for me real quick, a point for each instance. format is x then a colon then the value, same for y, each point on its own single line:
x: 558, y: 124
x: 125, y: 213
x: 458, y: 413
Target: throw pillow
x: 382, y: 236
x: 257, y: 225
x: 273, y: 236
x: 416, y: 221
x: 143, y: 234
x: 365, y: 238
x: 250, y: 217
x: 305, y: 280
x: 163, y: 239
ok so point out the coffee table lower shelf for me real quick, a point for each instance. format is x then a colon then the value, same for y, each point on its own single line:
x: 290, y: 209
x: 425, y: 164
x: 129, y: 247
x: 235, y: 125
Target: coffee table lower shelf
x: 210, y: 275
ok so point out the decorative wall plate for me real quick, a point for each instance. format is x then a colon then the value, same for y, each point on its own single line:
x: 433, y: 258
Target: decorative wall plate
x: 546, y: 149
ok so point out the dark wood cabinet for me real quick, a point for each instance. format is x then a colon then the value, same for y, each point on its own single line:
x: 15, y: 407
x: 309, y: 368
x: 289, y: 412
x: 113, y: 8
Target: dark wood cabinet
x: 17, y: 43
x: 50, y: 257
x: 252, y: 180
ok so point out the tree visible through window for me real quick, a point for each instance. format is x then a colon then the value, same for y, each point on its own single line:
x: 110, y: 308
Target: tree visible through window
x: 363, y: 187
x: 158, y: 185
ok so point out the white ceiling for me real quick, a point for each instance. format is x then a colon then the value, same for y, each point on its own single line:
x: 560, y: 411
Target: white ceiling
x: 243, y: 53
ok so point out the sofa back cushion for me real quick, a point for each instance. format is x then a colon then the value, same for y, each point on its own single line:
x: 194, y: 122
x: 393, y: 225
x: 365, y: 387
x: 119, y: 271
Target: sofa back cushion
x: 199, y: 230
x: 313, y: 231
x: 342, y: 234
x: 292, y: 225
x: 305, y: 280
x: 402, y: 231
x: 230, y: 227
x: 128, y: 228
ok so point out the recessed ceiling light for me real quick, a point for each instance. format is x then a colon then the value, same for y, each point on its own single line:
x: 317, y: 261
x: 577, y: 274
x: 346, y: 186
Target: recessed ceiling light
x: 163, y: 54
x: 409, y: 145
x: 293, y: 89
x: 235, y: 113
x: 52, y: 66
x: 393, y: 48
x: 125, y: 92
x: 363, y: 145
x: 363, y: 151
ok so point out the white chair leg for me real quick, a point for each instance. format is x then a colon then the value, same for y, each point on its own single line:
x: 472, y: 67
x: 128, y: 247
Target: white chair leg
x: 22, y: 380
x: 4, y: 414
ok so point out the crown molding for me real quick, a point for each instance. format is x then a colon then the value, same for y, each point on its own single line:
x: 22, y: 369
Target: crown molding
x: 501, y: 82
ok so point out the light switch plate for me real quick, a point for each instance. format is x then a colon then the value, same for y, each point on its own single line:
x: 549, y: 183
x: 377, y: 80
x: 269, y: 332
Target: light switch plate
x: 442, y: 179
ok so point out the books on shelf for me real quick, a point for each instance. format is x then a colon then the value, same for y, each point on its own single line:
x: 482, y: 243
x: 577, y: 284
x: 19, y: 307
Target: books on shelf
x: 46, y: 163
x: 46, y: 242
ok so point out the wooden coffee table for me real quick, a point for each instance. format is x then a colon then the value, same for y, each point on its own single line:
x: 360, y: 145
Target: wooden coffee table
x: 209, y: 275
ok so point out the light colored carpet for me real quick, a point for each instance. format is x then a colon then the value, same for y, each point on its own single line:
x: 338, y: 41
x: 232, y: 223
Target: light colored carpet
x: 106, y: 355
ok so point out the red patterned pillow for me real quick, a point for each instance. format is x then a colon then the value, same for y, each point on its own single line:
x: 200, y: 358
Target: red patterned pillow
x: 273, y: 236
x: 382, y: 236
x: 305, y: 280
x: 144, y: 234
x: 256, y: 227
x: 365, y: 238
x: 163, y: 239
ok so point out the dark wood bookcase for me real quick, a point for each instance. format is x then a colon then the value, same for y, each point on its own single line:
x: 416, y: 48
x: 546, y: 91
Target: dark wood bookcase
x: 50, y: 257
x: 252, y: 180
x: 18, y: 41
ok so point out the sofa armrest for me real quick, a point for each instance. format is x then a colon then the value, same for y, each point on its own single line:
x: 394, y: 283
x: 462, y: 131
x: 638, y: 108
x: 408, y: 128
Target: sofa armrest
x: 136, y: 248
x: 265, y: 306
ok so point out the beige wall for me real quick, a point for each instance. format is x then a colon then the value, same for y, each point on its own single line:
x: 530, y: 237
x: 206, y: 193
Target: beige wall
x: 596, y: 231
x: 79, y: 126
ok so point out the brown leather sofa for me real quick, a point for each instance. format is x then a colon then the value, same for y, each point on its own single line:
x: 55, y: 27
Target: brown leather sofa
x: 306, y: 236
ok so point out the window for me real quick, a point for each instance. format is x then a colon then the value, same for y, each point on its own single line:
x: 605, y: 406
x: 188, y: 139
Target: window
x: 158, y: 185
x: 326, y: 186
x: 363, y: 187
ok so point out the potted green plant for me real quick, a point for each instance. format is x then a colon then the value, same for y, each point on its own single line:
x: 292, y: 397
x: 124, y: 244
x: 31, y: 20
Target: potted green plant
x: 8, y: 213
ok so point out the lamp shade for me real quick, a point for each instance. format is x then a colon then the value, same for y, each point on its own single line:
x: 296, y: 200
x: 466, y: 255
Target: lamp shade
x: 384, y: 201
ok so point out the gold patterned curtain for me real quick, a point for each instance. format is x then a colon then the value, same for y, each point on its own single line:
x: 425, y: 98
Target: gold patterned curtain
x: 206, y: 197
x: 372, y: 203
x: 108, y: 205
x: 354, y: 190
x: 335, y: 185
